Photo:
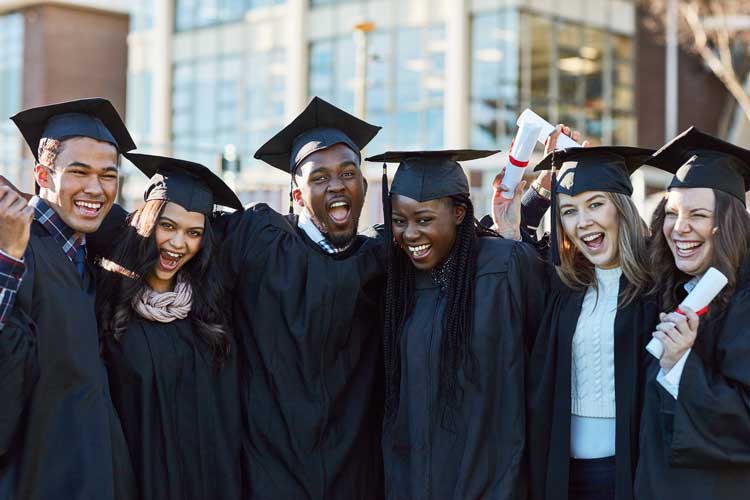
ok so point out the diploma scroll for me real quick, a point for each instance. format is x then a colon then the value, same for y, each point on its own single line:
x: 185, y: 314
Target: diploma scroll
x: 704, y: 292
x: 520, y: 153
x: 563, y: 141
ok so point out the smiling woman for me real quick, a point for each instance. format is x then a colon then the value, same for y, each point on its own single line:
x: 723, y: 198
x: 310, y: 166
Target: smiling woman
x: 586, y: 372
x: 696, y: 416
x: 451, y: 284
x: 169, y: 352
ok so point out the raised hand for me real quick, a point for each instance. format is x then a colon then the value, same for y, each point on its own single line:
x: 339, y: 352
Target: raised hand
x: 545, y: 177
x: 506, y: 214
x: 677, y: 334
x: 15, y: 222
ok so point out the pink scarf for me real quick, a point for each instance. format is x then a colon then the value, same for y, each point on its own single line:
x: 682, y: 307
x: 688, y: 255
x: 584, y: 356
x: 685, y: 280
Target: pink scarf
x: 167, y: 306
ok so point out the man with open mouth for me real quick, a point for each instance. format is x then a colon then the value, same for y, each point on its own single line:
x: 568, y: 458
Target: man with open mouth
x: 306, y: 313
x: 59, y: 434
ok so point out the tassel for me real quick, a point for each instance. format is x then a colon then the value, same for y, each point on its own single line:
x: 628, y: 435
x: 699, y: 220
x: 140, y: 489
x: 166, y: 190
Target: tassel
x: 555, y: 255
x: 291, y: 198
x: 386, y: 207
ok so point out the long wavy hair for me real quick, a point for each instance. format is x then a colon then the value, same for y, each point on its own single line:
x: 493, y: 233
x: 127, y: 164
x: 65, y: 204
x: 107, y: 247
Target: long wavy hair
x: 455, y: 349
x: 136, y: 256
x: 730, y: 251
x: 577, y: 272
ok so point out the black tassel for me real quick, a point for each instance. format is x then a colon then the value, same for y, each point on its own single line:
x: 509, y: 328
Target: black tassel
x: 386, y: 207
x: 554, y: 248
x: 291, y: 198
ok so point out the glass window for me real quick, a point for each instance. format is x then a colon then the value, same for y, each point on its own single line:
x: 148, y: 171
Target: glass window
x: 566, y: 72
x: 11, y: 74
x: 191, y: 14
x: 405, y: 81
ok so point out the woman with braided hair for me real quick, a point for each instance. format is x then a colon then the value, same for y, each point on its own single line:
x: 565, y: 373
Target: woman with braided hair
x: 460, y: 305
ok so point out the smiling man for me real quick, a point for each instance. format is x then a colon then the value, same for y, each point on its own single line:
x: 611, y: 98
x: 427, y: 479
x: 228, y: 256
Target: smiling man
x: 306, y: 312
x: 59, y: 434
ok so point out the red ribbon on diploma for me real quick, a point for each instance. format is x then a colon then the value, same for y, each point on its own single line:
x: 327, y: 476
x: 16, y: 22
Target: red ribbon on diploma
x: 699, y: 313
x: 513, y: 161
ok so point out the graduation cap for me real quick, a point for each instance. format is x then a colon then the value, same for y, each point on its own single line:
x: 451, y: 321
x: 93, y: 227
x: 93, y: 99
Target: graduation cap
x: 320, y: 126
x: 94, y: 117
x: 191, y: 185
x: 426, y: 175
x: 701, y: 160
x: 602, y: 168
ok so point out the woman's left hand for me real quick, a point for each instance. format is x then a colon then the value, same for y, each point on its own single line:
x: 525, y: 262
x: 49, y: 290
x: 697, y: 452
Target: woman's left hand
x: 677, y: 334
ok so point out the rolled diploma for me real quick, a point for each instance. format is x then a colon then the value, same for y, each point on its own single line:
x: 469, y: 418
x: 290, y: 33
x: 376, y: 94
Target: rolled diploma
x: 520, y: 153
x: 563, y: 141
x: 704, y: 292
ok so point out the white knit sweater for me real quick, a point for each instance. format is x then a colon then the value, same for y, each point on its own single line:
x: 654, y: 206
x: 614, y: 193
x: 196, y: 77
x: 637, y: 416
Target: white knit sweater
x: 593, y: 361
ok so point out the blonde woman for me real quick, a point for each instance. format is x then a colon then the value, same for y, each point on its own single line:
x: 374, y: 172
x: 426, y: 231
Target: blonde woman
x: 586, y: 365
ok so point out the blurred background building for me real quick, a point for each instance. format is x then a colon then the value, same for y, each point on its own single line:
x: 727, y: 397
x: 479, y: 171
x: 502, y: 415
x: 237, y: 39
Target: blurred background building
x: 212, y: 80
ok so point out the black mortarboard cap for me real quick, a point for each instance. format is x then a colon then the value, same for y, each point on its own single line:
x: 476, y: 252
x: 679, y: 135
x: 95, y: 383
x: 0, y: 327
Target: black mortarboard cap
x: 320, y: 126
x: 428, y: 175
x: 94, y: 117
x: 701, y: 160
x: 602, y: 168
x: 191, y: 185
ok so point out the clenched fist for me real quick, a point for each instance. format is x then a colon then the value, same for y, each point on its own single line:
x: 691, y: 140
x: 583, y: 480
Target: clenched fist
x: 15, y: 222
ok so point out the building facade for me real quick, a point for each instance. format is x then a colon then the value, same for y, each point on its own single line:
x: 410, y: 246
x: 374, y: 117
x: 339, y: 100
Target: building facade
x: 51, y: 52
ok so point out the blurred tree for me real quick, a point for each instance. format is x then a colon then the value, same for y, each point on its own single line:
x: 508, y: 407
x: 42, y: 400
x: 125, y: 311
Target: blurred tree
x: 719, y: 32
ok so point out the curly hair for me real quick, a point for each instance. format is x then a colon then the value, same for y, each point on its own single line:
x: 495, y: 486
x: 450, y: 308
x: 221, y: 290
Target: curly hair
x: 136, y: 255
x: 455, y: 349
x: 730, y: 250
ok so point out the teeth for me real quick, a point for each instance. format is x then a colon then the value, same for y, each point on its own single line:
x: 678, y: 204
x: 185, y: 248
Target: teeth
x: 687, y: 246
x: 339, y: 204
x: 419, y: 248
x: 95, y: 206
x: 591, y: 237
x: 173, y: 254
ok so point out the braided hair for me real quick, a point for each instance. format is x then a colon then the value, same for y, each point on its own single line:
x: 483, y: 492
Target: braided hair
x: 455, y: 347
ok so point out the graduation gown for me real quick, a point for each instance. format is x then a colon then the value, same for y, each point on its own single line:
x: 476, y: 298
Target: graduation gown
x: 477, y: 453
x: 309, y: 329
x: 180, y: 412
x: 698, y: 446
x: 549, y: 396
x: 59, y: 434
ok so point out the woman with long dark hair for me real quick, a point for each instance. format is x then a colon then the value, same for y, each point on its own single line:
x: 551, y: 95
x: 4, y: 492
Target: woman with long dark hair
x: 695, y: 433
x: 586, y: 365
x: 166, y: 341
x: 459, y: 305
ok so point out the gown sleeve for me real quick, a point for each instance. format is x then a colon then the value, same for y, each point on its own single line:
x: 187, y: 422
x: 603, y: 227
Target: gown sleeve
x: 101, y: 242
x: 19, y: 369
x: 530, y: 289
x: 711, y: 416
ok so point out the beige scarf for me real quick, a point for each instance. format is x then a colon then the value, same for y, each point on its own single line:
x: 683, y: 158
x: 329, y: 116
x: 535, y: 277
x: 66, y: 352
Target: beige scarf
x: 165, y: 307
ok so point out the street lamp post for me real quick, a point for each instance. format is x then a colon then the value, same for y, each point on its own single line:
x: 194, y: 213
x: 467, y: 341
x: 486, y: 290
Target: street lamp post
x: 361, y: 31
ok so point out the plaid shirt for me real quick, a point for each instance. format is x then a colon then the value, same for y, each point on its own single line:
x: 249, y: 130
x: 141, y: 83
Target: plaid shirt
x: 12, y: 270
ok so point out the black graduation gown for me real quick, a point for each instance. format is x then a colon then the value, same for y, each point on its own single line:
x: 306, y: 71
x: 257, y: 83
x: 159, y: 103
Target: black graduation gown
x: 59, y: 434
x: 180, y: 413
x: 698, y: 446
x: 478, y: 453
x: 549, y: 379
x: 309, y: 329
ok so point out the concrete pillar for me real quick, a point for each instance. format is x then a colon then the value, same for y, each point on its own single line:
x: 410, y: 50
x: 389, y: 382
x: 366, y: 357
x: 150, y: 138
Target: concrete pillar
x: 161, y: 97
x: 297, y: 57
x: 457, y: 74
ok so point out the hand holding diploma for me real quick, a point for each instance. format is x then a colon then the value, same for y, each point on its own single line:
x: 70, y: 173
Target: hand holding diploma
x: 677, y: 331
x: 518, y: 158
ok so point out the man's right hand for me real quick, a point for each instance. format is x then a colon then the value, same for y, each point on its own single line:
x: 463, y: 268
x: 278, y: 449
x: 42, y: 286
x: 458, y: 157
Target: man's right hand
x: 15, y: 222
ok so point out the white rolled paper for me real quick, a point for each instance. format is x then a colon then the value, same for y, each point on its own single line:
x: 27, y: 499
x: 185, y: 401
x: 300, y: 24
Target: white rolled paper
x: 563, y: 141
x: 709, y: 286
x: 520, y: 153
